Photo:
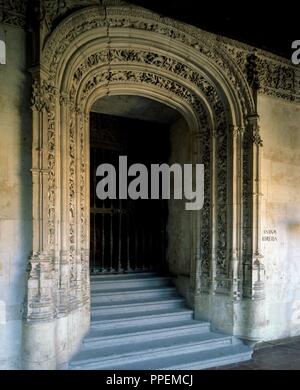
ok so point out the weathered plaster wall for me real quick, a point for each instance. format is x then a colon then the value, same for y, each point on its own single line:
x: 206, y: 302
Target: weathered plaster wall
x: 280, y: 222
x: 179, y: 219
x: 15, y: 194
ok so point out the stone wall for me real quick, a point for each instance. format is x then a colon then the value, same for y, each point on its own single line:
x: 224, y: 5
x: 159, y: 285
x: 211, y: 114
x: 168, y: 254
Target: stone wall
x: 280, y: 222
x: 15, y: 194
x: 195, y: 63
x: 179, y: 222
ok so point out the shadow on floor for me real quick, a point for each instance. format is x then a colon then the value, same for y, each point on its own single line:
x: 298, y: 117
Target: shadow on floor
x: 273, y: 357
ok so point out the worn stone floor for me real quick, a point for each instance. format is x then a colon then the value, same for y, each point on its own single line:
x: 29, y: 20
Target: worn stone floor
x: 273, y: 357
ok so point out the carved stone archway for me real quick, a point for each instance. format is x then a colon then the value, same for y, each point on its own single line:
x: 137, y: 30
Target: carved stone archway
x: 126, y: 50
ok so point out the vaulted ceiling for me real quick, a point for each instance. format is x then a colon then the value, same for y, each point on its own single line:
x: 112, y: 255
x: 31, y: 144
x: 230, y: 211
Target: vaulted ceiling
x: 136, y: 107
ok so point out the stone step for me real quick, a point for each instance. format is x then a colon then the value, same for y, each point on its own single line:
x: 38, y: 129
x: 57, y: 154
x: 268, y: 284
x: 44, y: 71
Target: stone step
x: 104, y: 357
x: 103, y: 278
x: 120, y: 276
x: 129, y: 283
x: 147, y: 332
x: 198, y: 360
x: 132, y: 293
x: 137, y: 306
x: 115, y: 321
x: 140, y: 322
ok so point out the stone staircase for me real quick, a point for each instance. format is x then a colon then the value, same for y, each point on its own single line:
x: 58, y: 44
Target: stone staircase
x: 140, y: 322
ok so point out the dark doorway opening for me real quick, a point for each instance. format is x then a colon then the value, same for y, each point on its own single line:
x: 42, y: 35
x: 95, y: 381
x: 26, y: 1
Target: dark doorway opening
x: 127, y: 235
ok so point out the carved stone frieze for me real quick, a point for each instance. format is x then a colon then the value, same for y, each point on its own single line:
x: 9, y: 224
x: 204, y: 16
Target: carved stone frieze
x: 116, y: 17
x: 43, y: 94
x: 273, y: 75
x: 146, y: 58
x: 13, y: 12
x: 53, y: 9
x: 146, y: 78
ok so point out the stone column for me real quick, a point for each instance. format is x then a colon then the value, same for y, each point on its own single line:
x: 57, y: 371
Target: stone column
x: 258, y: 271
x: 213, y: 214
x: 39, y: 309
x: 237, y: 214
x: 63, y: 239
x: 196, y: 140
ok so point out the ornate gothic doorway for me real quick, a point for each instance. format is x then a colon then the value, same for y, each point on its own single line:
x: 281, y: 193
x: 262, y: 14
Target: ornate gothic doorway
x: 118, y: 49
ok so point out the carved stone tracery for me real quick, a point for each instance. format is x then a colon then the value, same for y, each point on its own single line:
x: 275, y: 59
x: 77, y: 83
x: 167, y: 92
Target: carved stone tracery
x: 131, y: 56
x: 276, y: 76
x: 116, y: 17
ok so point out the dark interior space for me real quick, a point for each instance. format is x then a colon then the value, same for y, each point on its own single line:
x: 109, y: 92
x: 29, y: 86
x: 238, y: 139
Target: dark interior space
x: 268, y: 26
x: 127, y: 235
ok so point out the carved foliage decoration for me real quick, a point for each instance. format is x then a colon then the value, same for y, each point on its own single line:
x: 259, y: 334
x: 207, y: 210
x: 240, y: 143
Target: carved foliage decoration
x: 83, y: 196
x: 131, y: 56
x: 205, y: 241
x: 277, y: 80
x: 82, y: 184
x: 147, y: 78
x: 41, y: 298
x: 43, y: 99
x: 221, y: 197
x: 140, y: 19
x: 13, y: 12
x: 274, y: 76
x: 72, y: 194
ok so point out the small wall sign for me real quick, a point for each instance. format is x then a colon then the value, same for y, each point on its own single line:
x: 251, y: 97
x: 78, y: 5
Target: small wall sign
x: 269, y: 235
x: 2, y: 52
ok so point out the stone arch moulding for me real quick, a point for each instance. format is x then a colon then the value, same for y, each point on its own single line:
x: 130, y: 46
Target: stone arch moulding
x: 128, y: 50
